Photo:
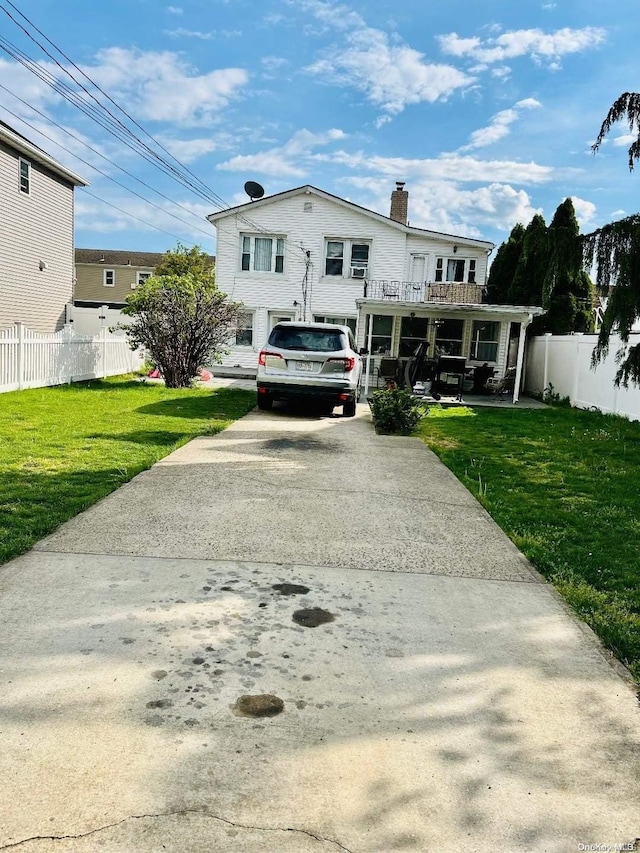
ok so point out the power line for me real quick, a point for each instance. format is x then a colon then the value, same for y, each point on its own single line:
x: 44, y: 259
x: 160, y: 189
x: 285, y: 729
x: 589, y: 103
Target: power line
x: 110, y: 123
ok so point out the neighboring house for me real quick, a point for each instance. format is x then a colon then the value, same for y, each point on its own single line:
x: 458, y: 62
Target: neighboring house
x: 307, y: 254
x: 36, y: 249
x: 107, y: 276
x: 104, y: 279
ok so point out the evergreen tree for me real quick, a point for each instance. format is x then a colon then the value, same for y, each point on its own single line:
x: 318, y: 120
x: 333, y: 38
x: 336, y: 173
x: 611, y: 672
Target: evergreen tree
x: 504, y: 266
x: 567, y: 293
x: 614, y: 251
x: 527, y: 283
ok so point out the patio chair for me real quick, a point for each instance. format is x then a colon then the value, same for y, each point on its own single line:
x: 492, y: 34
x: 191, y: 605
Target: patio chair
x: 503, y: 384
x: 390, y: 290
x: 387, y: 371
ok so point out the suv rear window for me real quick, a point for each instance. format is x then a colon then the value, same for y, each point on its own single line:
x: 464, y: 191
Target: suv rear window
x: 313, y: 340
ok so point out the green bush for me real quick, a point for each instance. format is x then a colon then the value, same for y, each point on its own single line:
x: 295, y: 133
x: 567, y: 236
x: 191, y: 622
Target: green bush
x: 395, y: 411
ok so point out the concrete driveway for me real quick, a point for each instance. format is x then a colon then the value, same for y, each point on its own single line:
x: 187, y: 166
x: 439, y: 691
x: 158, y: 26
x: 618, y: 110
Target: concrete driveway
x: 447, y: 700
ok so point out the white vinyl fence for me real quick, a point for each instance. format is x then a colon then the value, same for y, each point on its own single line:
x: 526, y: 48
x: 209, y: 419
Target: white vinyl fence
x: 563, y: 362
x: 91, y: 321
x: 31, y: 360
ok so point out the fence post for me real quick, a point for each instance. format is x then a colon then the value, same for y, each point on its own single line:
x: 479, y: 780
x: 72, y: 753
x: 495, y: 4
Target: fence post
x: 545, y: 372
x: 576, y: 369
x: 20, y: 364
x: 103, y: 351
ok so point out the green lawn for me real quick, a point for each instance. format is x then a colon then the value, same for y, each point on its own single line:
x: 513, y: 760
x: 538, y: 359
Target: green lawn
x: 64, y: 448
x: 564, y: 485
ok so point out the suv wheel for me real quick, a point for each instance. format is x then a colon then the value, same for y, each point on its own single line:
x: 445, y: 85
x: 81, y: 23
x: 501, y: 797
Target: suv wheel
x: 265, y: 402
x: 349, y: 409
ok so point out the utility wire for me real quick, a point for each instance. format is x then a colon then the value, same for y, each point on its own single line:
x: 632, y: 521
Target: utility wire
x: 112, y: 124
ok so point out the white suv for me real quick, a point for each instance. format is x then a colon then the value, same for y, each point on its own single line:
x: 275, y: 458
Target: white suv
x: 310, y: 360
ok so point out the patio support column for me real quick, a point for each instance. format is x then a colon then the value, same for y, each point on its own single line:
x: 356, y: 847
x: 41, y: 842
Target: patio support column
x: 369, y: 344
x: 520, y: 360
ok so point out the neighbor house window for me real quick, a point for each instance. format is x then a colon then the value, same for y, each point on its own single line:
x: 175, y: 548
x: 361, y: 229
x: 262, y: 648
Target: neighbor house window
x: 449, y: 337
x: 142, y: 276
x: 339, y: 321
x: 347, y: 258
x: 244, y: 329
x: 484, y: 341
x: 413, y: 330
x: 262, y: 254
x: 456, y: 269
x: 25, y: 177
x: 109, y: 278
x: 381, y: 338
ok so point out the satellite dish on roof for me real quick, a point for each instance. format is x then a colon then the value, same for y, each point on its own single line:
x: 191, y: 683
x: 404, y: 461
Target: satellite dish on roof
x: 253, y: 190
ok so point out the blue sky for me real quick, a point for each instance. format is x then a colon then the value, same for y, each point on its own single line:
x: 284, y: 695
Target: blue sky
x: 486, y: 109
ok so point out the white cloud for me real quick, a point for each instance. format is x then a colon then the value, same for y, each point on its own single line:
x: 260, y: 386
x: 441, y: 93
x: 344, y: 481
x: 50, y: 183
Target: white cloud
x: 448, y: 166
x: 391, y: 74
x: 627, y: 139
x: 175, y: 10
x: 288, y: 160
x: 188, y: 150
x: 92, y: 214
x: 195, y: 34
x: 443, y: 206
x: 585, y: 211
x: 163, y: 87
x: 540, y: 46
x: 500, y: 125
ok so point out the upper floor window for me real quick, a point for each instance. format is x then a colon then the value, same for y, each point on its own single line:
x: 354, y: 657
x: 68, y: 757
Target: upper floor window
x: 262, y: 254
x: 25, y: 177
x: 347, y: 258
x: 142, y: 276
x: 456, y: 269
x: 109, y: 278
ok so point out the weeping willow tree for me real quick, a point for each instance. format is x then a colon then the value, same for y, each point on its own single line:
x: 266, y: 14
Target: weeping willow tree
x: 614, y: 253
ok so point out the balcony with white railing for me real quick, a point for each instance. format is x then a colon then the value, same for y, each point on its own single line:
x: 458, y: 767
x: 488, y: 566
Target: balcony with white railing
x: 451, y: 292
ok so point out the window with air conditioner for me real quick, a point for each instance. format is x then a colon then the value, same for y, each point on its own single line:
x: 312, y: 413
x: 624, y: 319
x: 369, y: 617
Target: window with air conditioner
x: 347, y: 258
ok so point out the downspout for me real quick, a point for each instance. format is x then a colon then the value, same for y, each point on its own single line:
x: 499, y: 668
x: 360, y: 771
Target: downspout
x: 520, y: 359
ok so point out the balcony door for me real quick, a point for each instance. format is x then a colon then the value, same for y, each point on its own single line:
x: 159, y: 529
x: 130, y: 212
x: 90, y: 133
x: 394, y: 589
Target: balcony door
x: 418, y: 267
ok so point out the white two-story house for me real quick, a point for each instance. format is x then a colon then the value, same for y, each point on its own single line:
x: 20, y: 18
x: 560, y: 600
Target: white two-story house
x: 36, y: 223
x: 305, y: 254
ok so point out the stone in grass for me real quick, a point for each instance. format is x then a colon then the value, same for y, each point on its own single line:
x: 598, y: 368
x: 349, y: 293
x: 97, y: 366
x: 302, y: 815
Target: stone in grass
x: 261, y: 705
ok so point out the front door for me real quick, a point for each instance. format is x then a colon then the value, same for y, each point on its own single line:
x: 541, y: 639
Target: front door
x: 280, y: 317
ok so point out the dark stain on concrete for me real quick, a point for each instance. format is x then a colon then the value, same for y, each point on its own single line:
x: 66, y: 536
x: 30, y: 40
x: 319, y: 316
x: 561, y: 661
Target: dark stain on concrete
x: 261, y: 705
x: 160, y: 703
x: 290, y: 588
x: 312, y: 617
x: 159, y: 674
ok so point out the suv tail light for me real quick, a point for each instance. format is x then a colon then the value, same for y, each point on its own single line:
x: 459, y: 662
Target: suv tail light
x: 347, y: 363
x: 262, y: 358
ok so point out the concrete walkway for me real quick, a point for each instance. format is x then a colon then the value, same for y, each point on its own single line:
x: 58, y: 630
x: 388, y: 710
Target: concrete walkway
x: 451, y: 704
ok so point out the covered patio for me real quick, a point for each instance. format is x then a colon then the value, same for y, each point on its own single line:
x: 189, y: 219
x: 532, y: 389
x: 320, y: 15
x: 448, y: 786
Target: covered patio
x: 455, y: 348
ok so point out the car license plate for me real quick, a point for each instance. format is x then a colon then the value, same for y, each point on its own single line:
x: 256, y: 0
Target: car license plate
x: 304, y: 365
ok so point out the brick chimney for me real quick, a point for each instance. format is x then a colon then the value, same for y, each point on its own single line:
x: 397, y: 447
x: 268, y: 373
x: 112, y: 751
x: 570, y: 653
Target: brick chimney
x: 399, y: 203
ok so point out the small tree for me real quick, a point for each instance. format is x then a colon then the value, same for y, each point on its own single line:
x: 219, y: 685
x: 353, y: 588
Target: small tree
x: 180, y: 317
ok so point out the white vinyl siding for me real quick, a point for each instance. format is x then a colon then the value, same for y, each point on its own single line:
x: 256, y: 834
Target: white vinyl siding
x: 40, y: 230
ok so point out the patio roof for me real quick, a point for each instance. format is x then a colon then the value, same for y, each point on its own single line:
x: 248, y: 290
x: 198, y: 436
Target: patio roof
x: 430, y: 309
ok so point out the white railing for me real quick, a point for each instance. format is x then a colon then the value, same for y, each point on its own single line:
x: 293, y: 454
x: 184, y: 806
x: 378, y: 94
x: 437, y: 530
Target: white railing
x: 562, y: 363
x: 31, y: 360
